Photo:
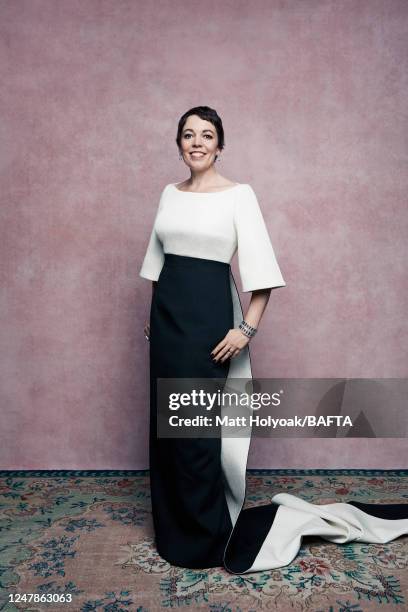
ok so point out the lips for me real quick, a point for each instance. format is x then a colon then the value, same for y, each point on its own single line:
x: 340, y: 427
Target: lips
x: 197, y: 154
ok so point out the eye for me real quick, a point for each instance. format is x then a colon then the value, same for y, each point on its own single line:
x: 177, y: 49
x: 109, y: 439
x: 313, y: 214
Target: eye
x: 206, y: 135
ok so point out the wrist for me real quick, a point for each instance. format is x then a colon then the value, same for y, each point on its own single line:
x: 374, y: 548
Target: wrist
x: 242, y: 334
x: 248, y: 330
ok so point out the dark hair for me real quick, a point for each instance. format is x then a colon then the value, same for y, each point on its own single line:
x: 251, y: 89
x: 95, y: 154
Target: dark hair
x: 208, y: 114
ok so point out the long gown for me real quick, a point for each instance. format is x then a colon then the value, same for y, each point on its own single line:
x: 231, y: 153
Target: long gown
x: 198, y: 484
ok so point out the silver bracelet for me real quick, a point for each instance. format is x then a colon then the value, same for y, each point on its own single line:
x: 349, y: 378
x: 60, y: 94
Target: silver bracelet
x: 247, y: 329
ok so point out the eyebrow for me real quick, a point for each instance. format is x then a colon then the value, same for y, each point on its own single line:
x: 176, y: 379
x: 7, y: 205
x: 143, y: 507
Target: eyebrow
x: 191, y: 130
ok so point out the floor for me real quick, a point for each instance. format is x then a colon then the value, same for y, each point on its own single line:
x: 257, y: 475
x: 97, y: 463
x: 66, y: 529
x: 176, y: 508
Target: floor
x: 83, y: 541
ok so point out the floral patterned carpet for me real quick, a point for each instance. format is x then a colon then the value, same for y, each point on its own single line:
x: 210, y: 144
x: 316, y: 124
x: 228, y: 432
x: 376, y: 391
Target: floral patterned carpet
x: 87, y: 537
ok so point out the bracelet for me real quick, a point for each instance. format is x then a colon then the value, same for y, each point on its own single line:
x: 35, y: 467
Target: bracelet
x: 247, y: 329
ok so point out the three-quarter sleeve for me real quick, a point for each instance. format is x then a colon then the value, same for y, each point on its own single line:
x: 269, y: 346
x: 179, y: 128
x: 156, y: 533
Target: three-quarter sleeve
x: 257, y: 262
x: 154, y: 257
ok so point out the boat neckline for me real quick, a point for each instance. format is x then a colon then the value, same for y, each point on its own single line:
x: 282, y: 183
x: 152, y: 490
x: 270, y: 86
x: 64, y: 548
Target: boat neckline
x: 205, y: 192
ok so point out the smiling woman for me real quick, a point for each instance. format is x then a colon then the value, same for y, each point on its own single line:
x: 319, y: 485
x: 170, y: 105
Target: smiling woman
x: 198, y: 330
x: 201, y: 141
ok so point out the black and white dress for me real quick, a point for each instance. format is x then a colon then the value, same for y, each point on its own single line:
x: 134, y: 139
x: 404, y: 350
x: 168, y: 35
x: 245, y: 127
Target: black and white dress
x: 198, y: 484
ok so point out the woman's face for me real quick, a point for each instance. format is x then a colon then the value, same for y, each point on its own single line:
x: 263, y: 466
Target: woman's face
x: 199, y: 143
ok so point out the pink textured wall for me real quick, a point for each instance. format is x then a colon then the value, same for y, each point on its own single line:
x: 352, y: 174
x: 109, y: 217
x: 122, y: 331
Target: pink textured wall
x: 313, y: 98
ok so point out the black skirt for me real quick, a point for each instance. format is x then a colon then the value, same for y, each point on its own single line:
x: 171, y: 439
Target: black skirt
x: 197, y: 498
x: 191, y: 312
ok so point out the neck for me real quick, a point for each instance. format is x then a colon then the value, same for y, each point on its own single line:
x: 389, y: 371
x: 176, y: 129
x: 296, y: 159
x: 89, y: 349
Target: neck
x: 199, y: 180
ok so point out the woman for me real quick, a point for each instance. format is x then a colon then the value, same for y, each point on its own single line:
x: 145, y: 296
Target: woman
x: 197, y: 330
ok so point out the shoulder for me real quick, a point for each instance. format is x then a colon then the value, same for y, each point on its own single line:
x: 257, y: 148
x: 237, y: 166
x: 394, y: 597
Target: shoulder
x: 247, y: 210
x: 167, y: 189
x: 245, y: 189
x: 245, y: 195
x: 164, y: 195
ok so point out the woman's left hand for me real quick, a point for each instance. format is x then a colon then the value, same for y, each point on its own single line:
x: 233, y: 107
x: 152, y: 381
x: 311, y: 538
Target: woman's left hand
x: 230, y: 346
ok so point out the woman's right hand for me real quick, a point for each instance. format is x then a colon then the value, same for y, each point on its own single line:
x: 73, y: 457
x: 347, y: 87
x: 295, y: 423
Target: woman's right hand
x: 146, y: 331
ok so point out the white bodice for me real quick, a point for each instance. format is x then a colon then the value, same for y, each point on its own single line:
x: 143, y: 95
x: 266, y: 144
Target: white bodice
x: 214, y: 226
